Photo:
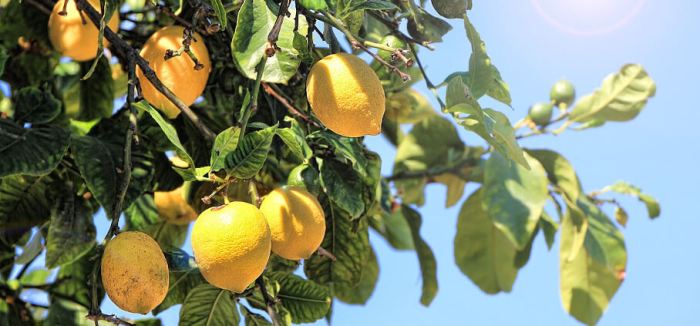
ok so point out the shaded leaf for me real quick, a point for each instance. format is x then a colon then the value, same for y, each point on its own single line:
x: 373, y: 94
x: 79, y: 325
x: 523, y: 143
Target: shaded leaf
x: 97, y: 167
x: 496, y: 129
x: 71, y: 232
x: 483, y: 76
x: 621, y: 187
x: 36, y: 106
x: 426, y: 259
x: 394, y: 228
x: 306, y: 300
x: 559, y: 171
x: 360, y: 293
x: 97, y: 92
x: 426, y: 27
x: 208, y: 305
x: 182, y: 282
x: 23, y: 201
x: 549, y: 227
x: 220, y: 12
x: 514, y: 197
x: 342, y: 186
x: 167, y: 234
x: 295, y: 142
x: 34, y: 151
x: 482, y: 251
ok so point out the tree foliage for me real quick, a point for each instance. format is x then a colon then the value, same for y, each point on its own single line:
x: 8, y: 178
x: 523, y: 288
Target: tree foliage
x: 65, y: 139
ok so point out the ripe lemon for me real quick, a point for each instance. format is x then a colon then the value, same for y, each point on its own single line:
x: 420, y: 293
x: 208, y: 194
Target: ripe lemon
x: 73, y: 38
x: 346, y: 95
x: 135, y: 272
x: 231, y: 245
x: 173, y: 207
x: 296, y: 220
x: 177, y: 73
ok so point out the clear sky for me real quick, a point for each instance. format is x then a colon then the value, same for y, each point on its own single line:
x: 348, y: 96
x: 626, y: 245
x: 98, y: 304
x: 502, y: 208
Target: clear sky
x: 534, y: 43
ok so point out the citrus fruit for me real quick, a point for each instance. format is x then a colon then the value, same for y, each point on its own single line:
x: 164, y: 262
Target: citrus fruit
x: 135, y: 272
x: 541, y: 113
x: 346, y: 95
x: 177, y: 73
x: 296, y: 221
x: 231, y: 245
x: 73, y: 38
x: 563, y: 92
x: 172, y: 206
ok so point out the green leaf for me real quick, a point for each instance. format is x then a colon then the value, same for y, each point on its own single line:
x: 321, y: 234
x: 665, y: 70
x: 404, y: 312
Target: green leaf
x: 604, y: 243
x: 621, y: 187
x: 208, y: 305
x: 343, y: 187
x: 348, y: 241
x: 35, y: 106
x: 621, y: 97
x: 559, y: 171
x: 314, y: 4
x: 189, y: 173
x: 360, y: 293
x: 182, y: 282
x: 255, y: 19
x: 426, y: 27
x: 495, y: 128
x: 394, y: 228
x: 252, y: 319
x: 295, y: 142
x: 71, y: 232
x: 483, y: 76
x: 482, y: 251
x: 426, y: 259
x: 458, y: 92
x: 148, y: 322
x: 74, y: 276
x: 370, y: 5
x: 35, y: 277
x: 621, y: 216
x: 23, y: 201
x: 31, y: 250
x: 225, y: 143
x: 34, y: 151
x: 141, y: 214
x: 250, y: 155
x: 64, y: 312
x: 455, y: 188
x: 514, y: 197
x: 167, y: 234
x: 97, y: 92
x: 96, y: 166
x: 306, y: 301
x: 3, y: 59
x: 220, y: 11
x: 549, y: 227
x: 450, y: 8
x: 586, y: 285
x: 428, y: 145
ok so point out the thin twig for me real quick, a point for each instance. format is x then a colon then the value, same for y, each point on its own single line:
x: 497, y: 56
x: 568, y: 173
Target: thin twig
x: 109, y: 318
x: 252, y: 107
x: 455, y: 169
x: 119, y: 45
x: 274, y: 34
x: 428, y: 83
x: 270, y: 302
x: 294, y: 111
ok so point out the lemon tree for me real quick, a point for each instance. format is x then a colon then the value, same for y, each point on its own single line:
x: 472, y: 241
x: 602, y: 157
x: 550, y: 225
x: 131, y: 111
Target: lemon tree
x: 244, y: 122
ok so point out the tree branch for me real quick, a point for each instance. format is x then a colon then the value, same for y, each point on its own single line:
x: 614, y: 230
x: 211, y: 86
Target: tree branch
x: 274, y: 34
x: 109, y: 318
x: 270, y: 90
x: 121, y: 46
x: 270, y: 302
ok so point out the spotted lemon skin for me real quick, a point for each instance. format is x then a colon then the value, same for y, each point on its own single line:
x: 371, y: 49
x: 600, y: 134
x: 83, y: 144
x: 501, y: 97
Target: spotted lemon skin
x: 346, y: 95
x: 177, y: 73
x: 296, y: 220
x: 231, y: 245
x: 73, y: 37
x: 135, y: 272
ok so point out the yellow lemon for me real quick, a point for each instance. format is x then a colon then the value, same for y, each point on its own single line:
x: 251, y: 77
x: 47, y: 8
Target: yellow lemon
x: 135, y: 272
x: 172, y: 206
x: 231, y: 245
x: 73, y: 38
x: 296, y: 220
x: 346, y: 95
x: 176, y: 73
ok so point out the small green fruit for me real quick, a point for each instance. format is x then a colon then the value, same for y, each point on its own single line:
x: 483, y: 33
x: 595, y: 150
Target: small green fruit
x: 541, y: 113
x: 563, y: 92
x: 392, y: 42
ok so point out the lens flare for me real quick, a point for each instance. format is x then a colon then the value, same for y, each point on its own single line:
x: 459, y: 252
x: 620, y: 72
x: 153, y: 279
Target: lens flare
x: 588, y: 17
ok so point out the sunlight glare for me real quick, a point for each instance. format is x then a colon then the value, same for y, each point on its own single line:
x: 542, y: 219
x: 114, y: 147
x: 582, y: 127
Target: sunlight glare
x: 588, y: 17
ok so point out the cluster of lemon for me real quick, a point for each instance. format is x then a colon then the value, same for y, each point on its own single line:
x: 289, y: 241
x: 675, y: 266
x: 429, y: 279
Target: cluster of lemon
x: 231, y: 243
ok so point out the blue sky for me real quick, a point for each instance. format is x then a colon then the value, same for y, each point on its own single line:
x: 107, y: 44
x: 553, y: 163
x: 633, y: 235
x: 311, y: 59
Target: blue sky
x: 657, y: 151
